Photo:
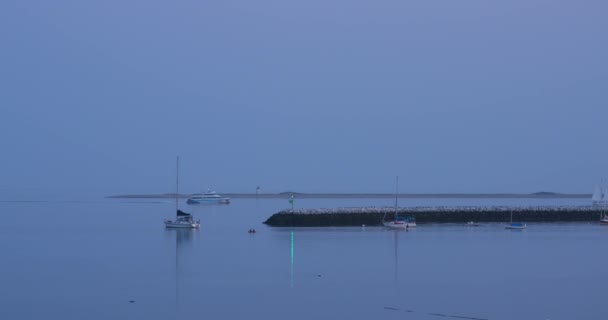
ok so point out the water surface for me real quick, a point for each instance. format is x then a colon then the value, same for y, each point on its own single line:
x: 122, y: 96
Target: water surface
x: 89, y: 259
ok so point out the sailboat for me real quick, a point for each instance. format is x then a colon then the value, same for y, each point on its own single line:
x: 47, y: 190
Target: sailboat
x: 182, y: 219
x: 604, y: 218
x: 600, y: 199
x: 398, y: 223
x: 596, y: 198
x: 515, y: 225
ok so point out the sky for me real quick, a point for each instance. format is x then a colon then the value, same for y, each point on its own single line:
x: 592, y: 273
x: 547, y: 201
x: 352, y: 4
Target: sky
x: 453, y: 96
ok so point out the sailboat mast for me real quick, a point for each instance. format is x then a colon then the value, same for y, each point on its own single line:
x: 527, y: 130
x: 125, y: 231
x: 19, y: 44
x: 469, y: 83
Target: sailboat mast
x: 176, y: 184
x: 396, y: 195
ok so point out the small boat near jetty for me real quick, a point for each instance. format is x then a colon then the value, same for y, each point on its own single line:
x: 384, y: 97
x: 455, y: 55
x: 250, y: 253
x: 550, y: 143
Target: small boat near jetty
x: 515, y: 225
x: 600, y: 195
x: 471, y: 224
x: 182, y: 219
x: 401, y: 223
x: 604, y: 219
x: 207, y: 197
x: 600, y: 199
x: 397, y: 222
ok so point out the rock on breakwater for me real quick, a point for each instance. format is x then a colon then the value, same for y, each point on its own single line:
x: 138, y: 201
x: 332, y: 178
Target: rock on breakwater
x: 372, y: 216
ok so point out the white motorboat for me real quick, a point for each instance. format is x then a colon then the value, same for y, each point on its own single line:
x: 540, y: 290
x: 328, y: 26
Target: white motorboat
x: 207, y: 197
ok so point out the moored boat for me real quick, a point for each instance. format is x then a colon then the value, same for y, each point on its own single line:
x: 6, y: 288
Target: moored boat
x: 604, y: 219
x: 398, y: 222
x: 600, y: 199
x: 182, y: 219
x: 515, y: 225
x: 401, y: 223
x: 600, y: 195
x: 207, y: 197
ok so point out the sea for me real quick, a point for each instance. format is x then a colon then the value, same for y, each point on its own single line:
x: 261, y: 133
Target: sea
x: 100, y: 258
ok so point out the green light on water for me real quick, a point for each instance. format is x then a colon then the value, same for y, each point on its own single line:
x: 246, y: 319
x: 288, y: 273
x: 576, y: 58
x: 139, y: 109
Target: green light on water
x: 291, y: 270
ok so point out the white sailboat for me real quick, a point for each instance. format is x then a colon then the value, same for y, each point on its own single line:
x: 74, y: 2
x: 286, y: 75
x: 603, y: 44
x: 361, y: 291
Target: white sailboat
x: 600, y: 199
x: 604, y: 218
x: 600, y: 195
x: 398, y: 223
x: 515, y: 225
x: 596, y: 198
x: 182, y: 219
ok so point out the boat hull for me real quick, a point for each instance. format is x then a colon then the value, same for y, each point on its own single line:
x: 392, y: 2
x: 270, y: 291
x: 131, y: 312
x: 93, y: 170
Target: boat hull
x: 604, y: 221
x: 516, y: 227
x: 220, y: 201
x: 399, y: 224
x: 177, y: 224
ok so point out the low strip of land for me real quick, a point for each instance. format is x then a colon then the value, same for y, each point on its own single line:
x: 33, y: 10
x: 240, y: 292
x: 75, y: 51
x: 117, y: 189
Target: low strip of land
x: 285, y: 195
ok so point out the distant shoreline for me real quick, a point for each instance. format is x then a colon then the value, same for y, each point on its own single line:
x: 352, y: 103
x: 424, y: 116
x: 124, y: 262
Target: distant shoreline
x: 286, y: 195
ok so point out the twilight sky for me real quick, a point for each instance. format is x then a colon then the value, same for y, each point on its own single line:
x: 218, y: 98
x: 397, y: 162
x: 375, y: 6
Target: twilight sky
x: 312, y: 96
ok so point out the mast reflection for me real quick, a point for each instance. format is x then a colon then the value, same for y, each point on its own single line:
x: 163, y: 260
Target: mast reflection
x: 183, y: 239
x: 396, y: 255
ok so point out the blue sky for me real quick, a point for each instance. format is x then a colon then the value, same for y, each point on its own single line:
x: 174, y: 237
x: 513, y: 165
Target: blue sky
x: 312, y: 96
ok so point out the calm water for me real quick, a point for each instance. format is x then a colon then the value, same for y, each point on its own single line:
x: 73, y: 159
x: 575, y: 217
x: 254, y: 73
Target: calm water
x: 87, y: 260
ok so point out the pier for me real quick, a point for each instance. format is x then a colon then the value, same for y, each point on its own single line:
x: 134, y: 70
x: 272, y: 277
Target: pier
x: 372, y: 216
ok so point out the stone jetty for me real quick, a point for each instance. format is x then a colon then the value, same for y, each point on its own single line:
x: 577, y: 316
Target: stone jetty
x: 372, y: 216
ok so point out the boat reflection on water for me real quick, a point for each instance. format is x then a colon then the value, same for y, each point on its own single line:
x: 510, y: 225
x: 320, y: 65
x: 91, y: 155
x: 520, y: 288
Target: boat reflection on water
x: 183, y: 239
x: 399, y: 235
x: 396, y: 236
